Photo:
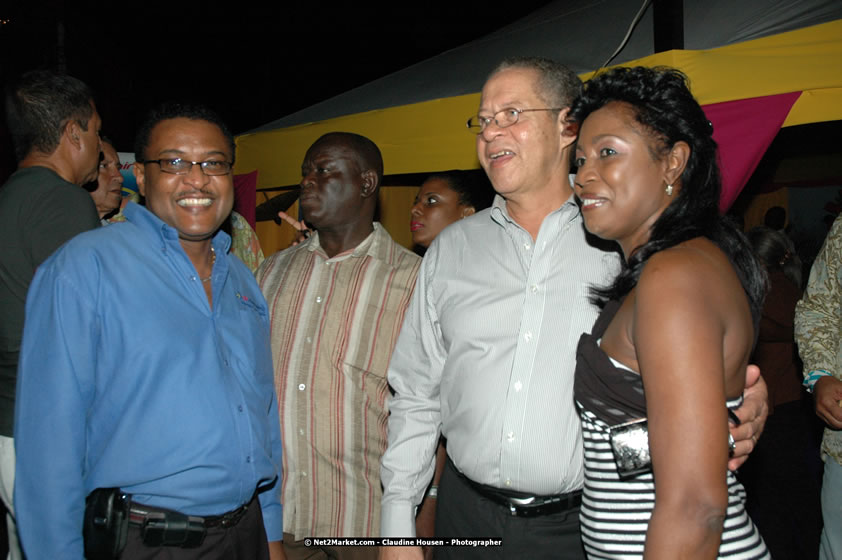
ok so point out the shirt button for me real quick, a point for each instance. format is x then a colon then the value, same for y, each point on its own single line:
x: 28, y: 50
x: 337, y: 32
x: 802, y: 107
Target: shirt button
x: 318, y: 299
x: 193, y: 278
x: 534, y: 288
x: 527, y: 246
x: 240, y: 408
x: 510, y: 437
x: 518, y: 386
x: 309, y: 340
x: 248, y: 459
x: 303, y: 474
x: 225, y: 362
x: 301, y: 386
x: 301, y: 431
x: 527, y: 336
x: 508, y: 482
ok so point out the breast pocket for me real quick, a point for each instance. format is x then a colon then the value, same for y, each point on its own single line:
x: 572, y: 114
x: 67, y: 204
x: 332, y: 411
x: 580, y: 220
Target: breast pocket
x: 366, y: 346
x: 248, y: 338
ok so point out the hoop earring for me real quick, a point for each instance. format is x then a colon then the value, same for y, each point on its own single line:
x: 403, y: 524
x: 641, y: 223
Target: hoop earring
x: 668, y: 190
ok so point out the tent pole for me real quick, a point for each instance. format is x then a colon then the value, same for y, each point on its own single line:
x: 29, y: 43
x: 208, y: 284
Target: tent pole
x: 668, y: 24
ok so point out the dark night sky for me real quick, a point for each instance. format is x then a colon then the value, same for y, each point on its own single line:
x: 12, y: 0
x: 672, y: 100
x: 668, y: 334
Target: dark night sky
x: 252, y: 64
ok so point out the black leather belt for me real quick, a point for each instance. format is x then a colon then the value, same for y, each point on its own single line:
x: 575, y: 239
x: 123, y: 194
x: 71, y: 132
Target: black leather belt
x: 520, y: 504
x: 163, y: 527
x: 139, y: 513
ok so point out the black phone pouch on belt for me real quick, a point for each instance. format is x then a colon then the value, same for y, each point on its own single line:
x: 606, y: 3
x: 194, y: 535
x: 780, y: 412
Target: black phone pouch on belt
x: 106, y: 523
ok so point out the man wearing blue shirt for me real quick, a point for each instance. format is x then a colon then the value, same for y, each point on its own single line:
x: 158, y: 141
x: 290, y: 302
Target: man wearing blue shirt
x: 145, y: 366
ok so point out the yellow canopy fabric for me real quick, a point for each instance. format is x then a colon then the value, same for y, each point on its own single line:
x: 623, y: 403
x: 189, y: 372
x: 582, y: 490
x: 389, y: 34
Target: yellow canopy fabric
x: 431, y: 136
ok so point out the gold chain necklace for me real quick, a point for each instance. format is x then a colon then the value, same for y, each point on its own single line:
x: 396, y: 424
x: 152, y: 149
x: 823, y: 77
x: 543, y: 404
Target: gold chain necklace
x: 213, y: 262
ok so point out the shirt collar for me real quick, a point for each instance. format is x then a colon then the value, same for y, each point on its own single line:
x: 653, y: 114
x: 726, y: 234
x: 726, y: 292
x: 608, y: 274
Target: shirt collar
x: 568, y: 211
x: 368, y: 247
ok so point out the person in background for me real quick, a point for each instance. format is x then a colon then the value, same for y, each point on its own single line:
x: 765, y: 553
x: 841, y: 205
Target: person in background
x: 166, y: 397
x: 776, y: 353
x: 244, y: 241
x: 678, y: 324
x: 818, y: 331
x: 780, y: 477
x: 444, y: 198
x: 107, y: 190
x: 775, y: 218
x: 55, y: 130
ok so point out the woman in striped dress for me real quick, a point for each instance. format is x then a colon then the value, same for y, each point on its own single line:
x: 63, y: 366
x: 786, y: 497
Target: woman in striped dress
x: 676, y: 332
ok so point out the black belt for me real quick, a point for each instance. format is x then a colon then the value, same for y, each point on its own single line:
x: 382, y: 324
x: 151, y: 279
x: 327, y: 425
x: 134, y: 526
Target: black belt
x: 139, y: 513
x: 520, y: 504
x: 163, y: 527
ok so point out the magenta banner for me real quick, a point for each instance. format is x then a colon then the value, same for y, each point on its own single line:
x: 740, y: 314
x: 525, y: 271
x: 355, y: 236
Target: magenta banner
x: 744, y: 129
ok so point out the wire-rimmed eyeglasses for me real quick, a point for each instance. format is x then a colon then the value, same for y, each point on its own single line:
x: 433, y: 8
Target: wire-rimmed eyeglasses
x: 178, y: 166
x: 510, y: 116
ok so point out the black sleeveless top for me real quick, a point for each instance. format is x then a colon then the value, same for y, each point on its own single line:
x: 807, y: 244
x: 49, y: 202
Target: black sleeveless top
x: 615, y: 513
x: 614, y: 395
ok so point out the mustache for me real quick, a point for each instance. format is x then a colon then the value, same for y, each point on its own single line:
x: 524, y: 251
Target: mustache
x: 193, y: 192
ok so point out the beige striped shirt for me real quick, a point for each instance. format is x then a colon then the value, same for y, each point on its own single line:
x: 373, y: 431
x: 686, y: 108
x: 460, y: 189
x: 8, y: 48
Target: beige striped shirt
x: 334, y: 325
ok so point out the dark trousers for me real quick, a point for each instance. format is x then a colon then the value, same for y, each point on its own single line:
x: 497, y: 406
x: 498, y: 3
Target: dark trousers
x: 463, y: 513
x: 782, y: 478
x: 244, y: 541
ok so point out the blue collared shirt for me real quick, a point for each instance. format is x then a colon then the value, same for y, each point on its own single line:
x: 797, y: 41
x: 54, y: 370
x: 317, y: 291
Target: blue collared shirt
x: 129, y: 379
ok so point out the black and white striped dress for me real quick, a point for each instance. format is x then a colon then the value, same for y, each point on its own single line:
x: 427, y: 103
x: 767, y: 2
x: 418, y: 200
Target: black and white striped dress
x: 615, y: 513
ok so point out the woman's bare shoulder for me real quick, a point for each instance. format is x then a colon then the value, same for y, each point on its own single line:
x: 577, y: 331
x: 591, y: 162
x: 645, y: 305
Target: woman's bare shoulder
x: 695, y: 282
x: 694, y: 262
x: 694, y: 273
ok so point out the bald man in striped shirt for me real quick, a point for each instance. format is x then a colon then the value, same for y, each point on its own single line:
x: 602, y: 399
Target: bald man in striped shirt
x: 336, y: 303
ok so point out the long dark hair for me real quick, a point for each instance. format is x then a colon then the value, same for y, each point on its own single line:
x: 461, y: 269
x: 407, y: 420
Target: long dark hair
x: 661, y: 101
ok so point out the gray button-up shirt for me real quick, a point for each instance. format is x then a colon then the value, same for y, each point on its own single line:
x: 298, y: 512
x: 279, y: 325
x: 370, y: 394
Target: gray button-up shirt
x: 487, y: 353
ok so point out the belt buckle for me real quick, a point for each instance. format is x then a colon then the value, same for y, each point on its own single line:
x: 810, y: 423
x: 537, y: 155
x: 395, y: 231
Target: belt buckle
x: 515, y: 503
x: 233, y: 518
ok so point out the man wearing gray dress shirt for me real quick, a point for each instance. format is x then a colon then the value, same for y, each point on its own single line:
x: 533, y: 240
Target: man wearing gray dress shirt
x: 487, y: 351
